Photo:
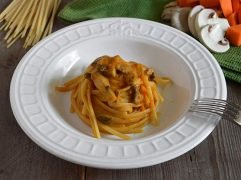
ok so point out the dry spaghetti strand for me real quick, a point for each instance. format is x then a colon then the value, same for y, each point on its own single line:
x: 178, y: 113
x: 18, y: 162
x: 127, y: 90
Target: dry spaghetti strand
x: 32, y: 19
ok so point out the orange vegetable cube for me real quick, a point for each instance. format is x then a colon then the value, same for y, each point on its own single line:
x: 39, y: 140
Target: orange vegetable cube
x: 233, y: 19
x: 233, y: 34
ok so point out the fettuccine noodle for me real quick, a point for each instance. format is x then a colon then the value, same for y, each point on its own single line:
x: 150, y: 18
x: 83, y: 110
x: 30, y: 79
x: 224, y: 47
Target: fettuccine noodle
x: 116, y: 97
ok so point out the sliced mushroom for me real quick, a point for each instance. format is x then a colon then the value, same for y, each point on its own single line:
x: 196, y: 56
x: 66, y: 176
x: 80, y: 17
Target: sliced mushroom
x: 135, y: 95
x: 168, y: 10
x: 213, y: 37
x: 180, y: 19
x: 209, y: 17
x: 103, y: 85
x: 191, y: 19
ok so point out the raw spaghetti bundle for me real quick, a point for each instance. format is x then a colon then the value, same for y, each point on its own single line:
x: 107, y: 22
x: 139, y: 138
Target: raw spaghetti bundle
x: 115, y: 97
x: 32, y: 19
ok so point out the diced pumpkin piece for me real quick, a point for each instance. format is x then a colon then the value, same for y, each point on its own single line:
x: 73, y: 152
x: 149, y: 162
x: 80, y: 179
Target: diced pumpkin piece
x: 233, y: 19
x: 239, y: 16
x: 233, y: 34
x: 235, y: 5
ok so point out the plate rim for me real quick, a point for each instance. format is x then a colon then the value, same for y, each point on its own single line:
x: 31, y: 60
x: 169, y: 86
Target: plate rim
x: 47, y: 148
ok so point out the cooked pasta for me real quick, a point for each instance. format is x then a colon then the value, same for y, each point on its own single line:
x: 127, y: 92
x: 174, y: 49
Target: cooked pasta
x: 116, y: 97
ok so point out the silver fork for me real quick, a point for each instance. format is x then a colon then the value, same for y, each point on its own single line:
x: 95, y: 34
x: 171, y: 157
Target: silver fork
x: 226, y: 110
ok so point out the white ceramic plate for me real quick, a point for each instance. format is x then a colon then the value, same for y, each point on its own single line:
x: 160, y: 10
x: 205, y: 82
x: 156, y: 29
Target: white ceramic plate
x: 44, y: 114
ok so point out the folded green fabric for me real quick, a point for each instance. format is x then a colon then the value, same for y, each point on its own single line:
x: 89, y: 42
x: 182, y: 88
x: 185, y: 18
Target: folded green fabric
x: 230, y: 62
x: 80, y: 10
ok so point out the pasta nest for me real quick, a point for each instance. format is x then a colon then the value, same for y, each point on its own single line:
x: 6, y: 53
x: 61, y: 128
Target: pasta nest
x: 116, y: 97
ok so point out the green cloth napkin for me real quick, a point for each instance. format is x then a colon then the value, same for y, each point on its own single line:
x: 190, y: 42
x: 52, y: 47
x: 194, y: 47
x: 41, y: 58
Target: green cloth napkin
x: 80, y: 10
x: 230, y: 63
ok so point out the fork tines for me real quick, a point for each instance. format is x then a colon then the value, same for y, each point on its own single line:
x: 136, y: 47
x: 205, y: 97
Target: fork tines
x: 226, y: 110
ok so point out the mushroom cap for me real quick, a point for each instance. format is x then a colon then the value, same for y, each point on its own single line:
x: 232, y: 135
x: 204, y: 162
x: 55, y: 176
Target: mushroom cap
x: 171, y: 4
x: 203, y: 18
x: 168, y: 10
x: 179, y: 19
x: 191, y: 19
x: 209, y: 17
x: 213, y: 37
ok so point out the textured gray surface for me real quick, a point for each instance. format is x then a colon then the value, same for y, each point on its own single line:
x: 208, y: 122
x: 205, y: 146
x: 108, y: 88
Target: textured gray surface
x: 217, y: 157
